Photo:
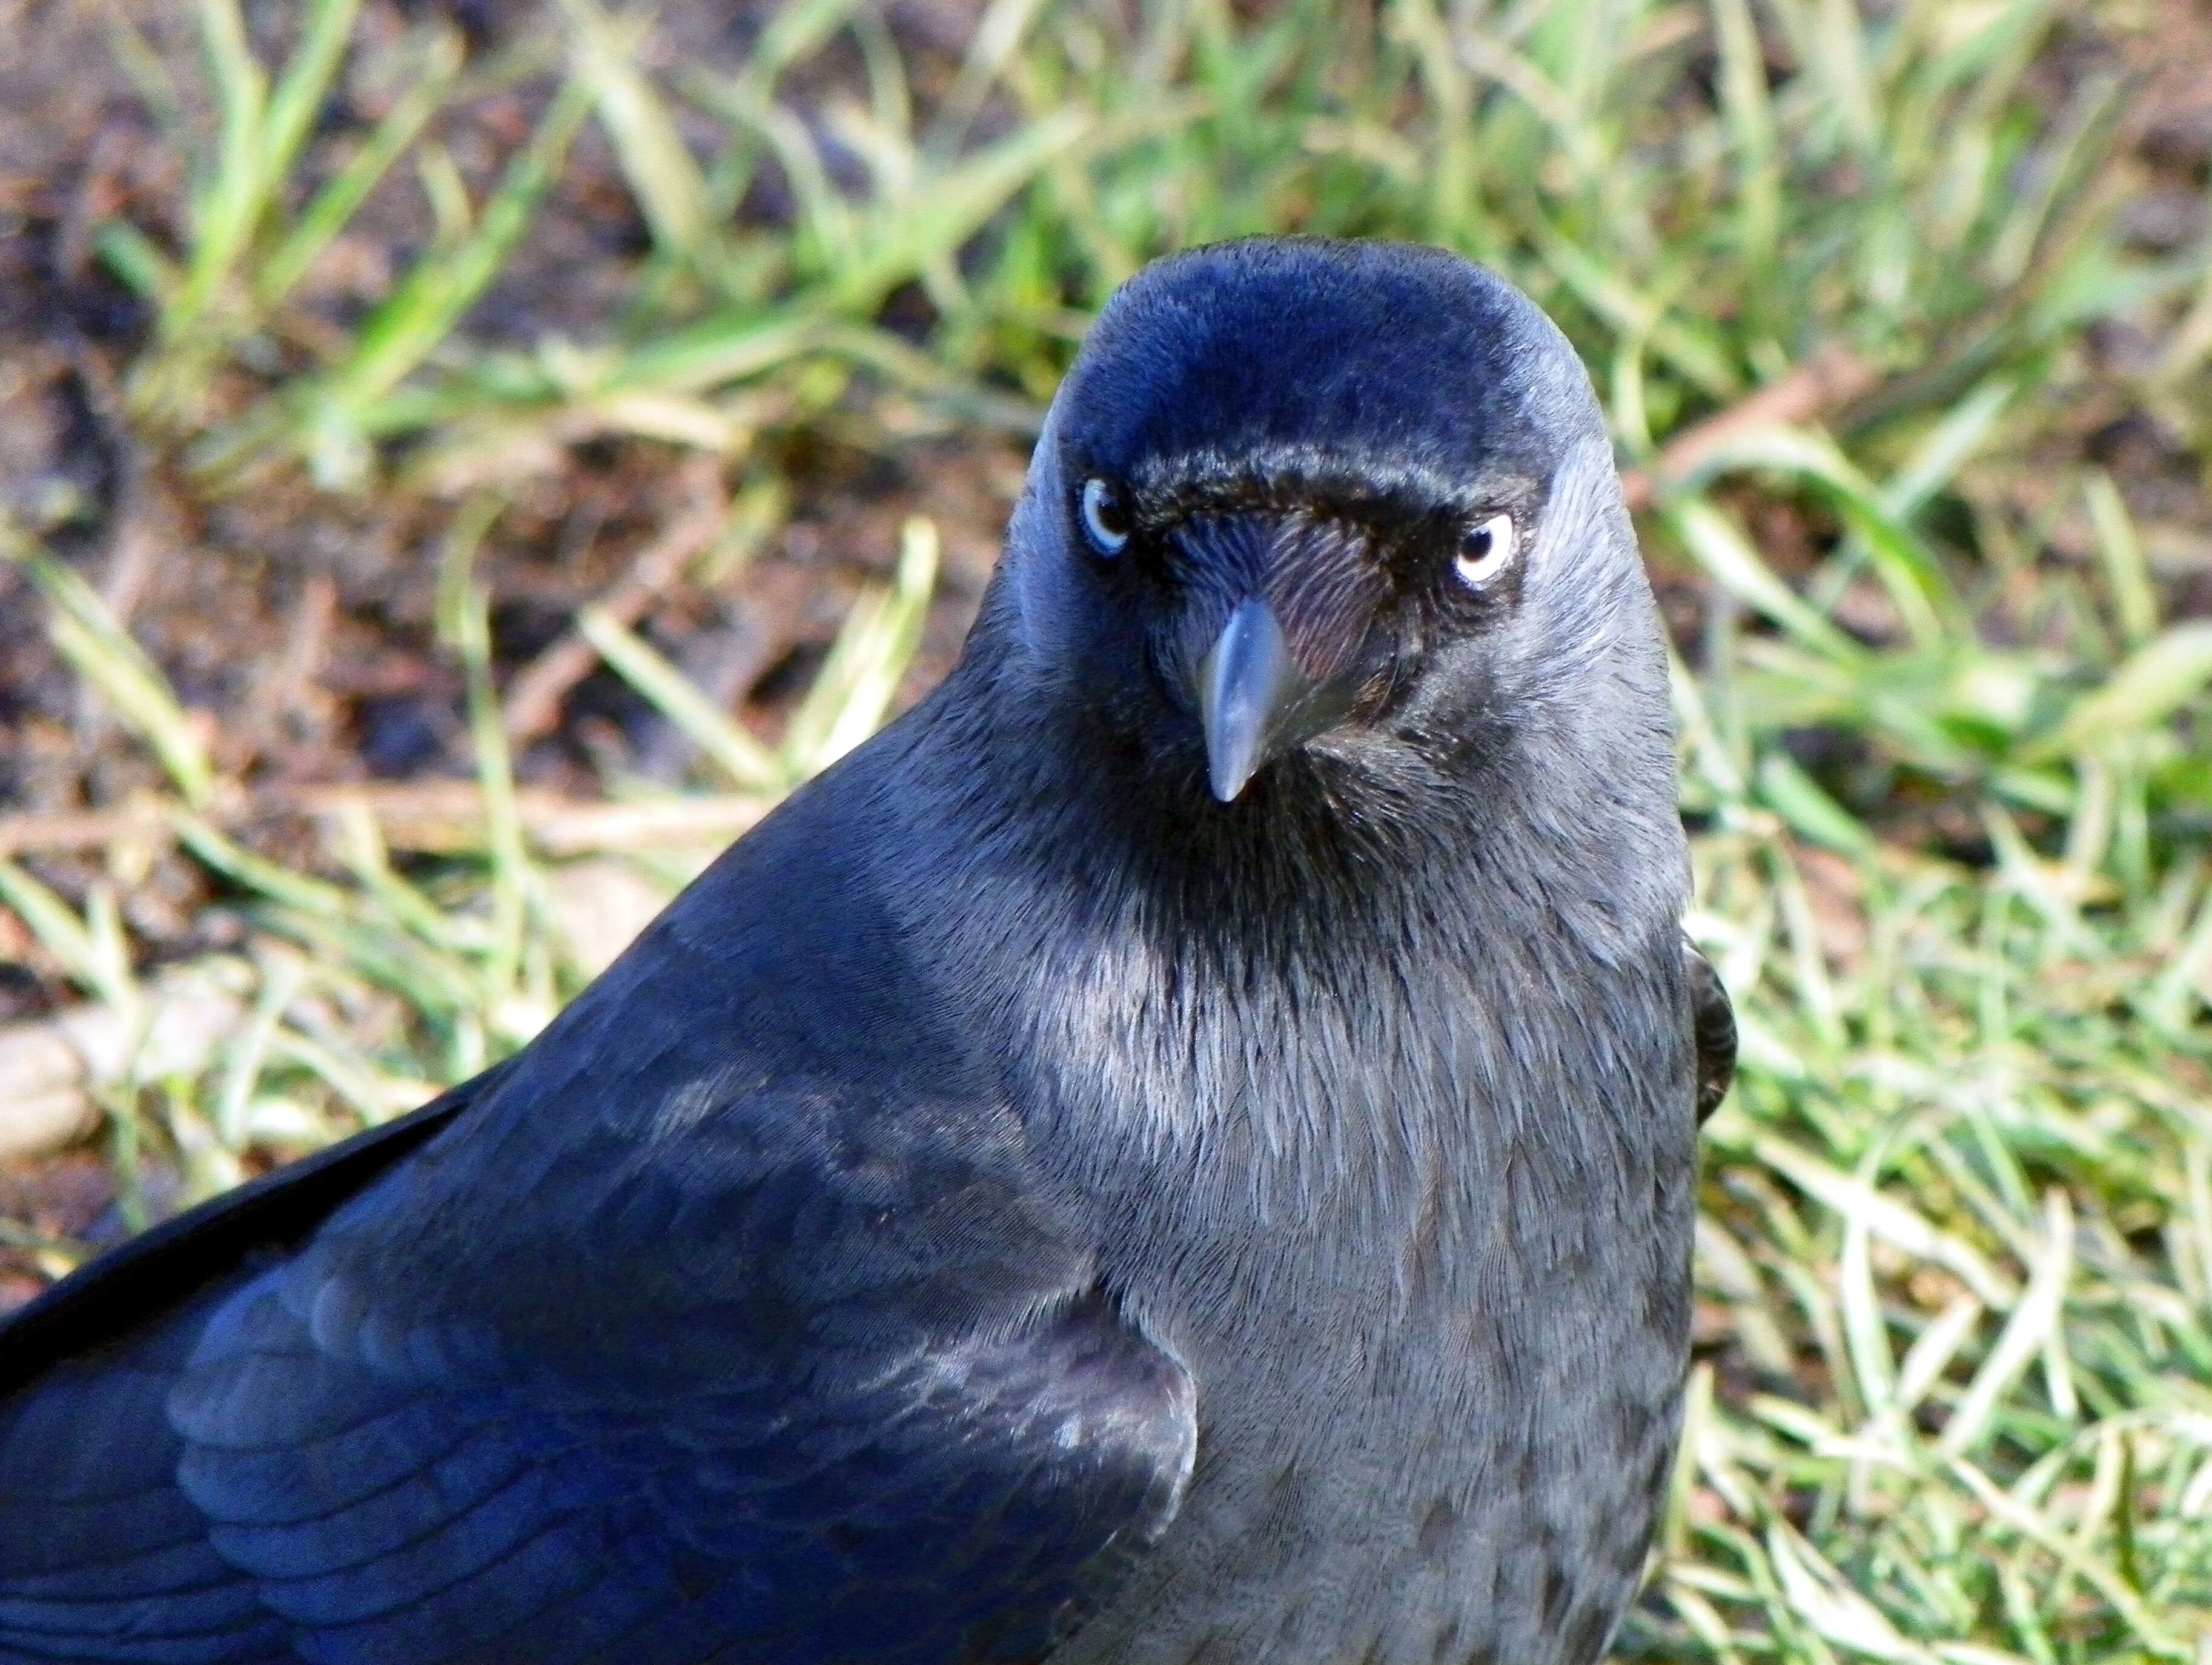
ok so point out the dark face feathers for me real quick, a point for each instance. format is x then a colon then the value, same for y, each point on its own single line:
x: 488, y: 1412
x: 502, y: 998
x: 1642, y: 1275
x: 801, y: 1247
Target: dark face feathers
x: 1305, y: 495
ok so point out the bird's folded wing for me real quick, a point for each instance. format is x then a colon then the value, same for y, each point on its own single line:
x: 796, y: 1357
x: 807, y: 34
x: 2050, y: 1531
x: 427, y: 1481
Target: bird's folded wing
x: 722, y: 1327
x: 292, y: 1467
x: 390, y: 1505
x: 307, y: 1500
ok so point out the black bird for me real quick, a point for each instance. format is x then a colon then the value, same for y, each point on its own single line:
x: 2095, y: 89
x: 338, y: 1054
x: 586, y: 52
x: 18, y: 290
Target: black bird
x: 1180, y: 1149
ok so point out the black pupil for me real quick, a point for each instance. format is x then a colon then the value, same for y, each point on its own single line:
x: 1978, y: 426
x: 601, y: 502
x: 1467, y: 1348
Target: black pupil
x: 1478, y: 542
x: 1108, y: 513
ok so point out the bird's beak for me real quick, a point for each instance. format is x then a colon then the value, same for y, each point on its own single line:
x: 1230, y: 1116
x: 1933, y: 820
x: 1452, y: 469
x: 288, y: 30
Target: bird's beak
x: 1251, y: 697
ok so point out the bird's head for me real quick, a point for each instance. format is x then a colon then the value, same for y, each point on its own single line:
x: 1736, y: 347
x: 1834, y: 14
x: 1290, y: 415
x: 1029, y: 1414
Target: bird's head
x: 1336, y: 499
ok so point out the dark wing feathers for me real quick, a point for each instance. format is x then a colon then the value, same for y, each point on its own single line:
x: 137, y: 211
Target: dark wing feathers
x: 802, y: 1526
x: 101, y: 1557
x: 673, y: 1344
x: 1713, y: 1017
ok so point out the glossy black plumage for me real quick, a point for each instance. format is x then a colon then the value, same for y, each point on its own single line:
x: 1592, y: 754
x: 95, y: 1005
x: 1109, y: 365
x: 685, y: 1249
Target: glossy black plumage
x: 1014, y: 1203
x: 1716, y: 1031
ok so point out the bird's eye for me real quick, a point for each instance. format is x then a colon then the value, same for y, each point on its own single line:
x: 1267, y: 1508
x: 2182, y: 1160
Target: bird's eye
x: 1105, y: 519
x: 1484, y: 551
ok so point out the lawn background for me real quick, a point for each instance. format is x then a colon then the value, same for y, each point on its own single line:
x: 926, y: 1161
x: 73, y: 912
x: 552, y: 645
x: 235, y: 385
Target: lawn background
x: 457, y: 464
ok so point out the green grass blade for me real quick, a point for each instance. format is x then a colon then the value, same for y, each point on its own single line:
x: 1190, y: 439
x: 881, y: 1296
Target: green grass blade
x: 1721, y: 548
x: 228, y: 202
x: 334, y: 206
x: 2127, y: 573
x: 855, y: 686
x: 464, y: 624
x: 429, y: 301
x: 750, y: 765
x: 86, y: 634
x: 948, y: 209
x: 302, y: 89
x: 661, y: 171
x: 2157, y: 680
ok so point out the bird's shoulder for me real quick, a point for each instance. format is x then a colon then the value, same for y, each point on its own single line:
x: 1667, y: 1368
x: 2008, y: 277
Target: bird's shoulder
x: 752, y: 1232
x: 775, y: 1082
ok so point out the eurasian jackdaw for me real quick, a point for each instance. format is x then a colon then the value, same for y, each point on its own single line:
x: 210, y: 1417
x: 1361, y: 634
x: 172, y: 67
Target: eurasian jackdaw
x: 1180, y: 1149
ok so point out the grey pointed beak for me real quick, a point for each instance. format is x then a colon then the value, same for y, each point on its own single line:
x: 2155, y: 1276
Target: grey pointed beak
x: 1248, y: 684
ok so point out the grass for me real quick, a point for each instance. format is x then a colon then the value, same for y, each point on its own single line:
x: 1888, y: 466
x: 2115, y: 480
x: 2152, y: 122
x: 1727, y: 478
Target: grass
x: 1944, y: 747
